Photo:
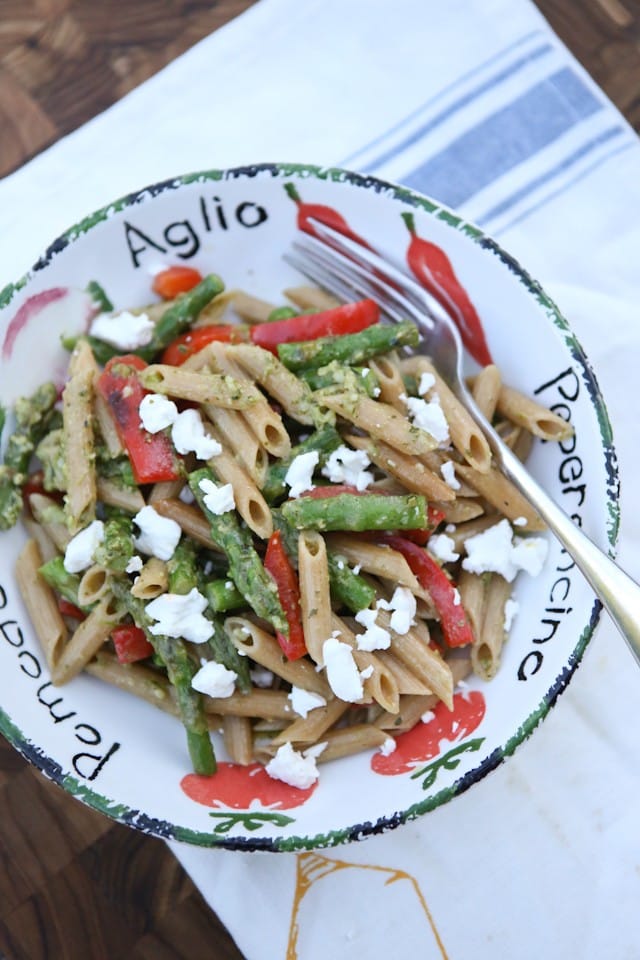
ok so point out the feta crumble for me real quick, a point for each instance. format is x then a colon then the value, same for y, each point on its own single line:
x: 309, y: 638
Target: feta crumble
x: 427, y: 382
x: 448, y: 472
x: 403, y: 609
x: 180, y: 615
x: 214, y: 679
x: 292, y: 767
x: 261, y: 677
x: 496, y: 550
x: 299, y: 476
x: 348, y: 466
x: 511, y: 608
x: 387, y: 746
x: 157, y: 412
x: 217, y: 499
x: 303, y: 701
x: 134, y: 565
x: 428, y: 716
x: 441, y: 546
x: 342, y: 671
x: 81, y: 548
x: 158, y: 535
x: 374, y: 637
x: 429, y: 416
x: 125, y: 330
x: 189, y: 436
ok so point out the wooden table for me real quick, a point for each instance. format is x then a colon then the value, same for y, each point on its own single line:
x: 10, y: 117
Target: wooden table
x: 74, y: 885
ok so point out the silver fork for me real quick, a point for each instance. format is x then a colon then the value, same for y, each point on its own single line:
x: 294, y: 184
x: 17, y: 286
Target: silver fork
x: 347, y: 268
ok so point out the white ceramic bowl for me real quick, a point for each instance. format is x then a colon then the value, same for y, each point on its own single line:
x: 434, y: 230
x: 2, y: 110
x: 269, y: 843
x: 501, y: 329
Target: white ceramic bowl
x: 127, y: 759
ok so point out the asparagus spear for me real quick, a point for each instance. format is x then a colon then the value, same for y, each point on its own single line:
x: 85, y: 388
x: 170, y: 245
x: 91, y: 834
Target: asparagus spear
x: 350, y: 348
x: 348, y: 511
x: 325, y: 441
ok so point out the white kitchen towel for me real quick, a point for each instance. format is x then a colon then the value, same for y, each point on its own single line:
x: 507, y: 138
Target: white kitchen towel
x: 477, y: 103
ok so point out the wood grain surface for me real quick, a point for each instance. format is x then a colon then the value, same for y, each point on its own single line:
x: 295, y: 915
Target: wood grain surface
x: 74, y: 885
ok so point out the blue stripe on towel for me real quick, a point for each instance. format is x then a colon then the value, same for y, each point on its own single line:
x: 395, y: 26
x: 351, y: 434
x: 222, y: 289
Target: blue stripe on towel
x: 458, y: 105
x: 543, y: 178
x: 505, y: 139
x: 439, y: 96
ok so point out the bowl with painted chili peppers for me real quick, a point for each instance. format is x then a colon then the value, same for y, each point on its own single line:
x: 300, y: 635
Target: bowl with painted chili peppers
x: 258, y: 588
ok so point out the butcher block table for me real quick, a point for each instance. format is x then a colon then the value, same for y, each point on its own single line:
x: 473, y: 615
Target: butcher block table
x: 73, y: 884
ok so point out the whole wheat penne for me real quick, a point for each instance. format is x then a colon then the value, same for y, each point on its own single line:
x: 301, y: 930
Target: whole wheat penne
x: 77, y: 422
x: 485, y: 389
x: 189, y: 518
x: 135, y: 678
x: 116, y: 495
x: 311, y: 298
x: 345, y: 741
x: 535, y: 418
x: 379, y: 420
x: 238, y: 739
x: 49, y: 515
x: 106, y: 426
x: 249, y: 502
x: 485, y: 653
x: 380, y: 561
x: 266, y: 704
x: 291, y: 393
x: 413, y: 474
x: 94, y: 584
x: 252, y: 309
x: 235, y: 433
x: 379, y: 683
x: 263, y: 647
x: 466, y: 435
x: 406, y: 680
x: 461, y: 510
x: 46, y: 546
x: 41, y: 604
x: 200, y: 386
x: 389, y: 377
x: 310, y: 729
x: 315, y: 599
x: 152, y: 580
x: 472, y: 590
x: 165, y: 490
x: 501, y: 494
x: 415, y: 653
x: 87, y: 639
x: 412, y: 708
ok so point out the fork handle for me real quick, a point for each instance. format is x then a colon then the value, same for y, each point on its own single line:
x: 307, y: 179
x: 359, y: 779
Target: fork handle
x: 619, y: 594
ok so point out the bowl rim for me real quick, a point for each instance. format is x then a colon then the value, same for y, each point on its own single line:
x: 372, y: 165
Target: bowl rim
x: 137, y: 819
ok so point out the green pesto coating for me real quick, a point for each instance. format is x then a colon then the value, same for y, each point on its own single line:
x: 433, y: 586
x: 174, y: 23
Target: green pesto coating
x: 351, y: 348
x: 60, y: 580
x: 226, y: 653
x: 223, y: 595
x: 336, y: 374
x: 50, y: 453
x: 116, y: 549
x: 348, y: 511
x: 117, y: 469
x: 33, y: 416
x: 181, y: 669
x: 325, y: 441
x: 182, y: 569
x: 245, y: 566
x: 282, y: 313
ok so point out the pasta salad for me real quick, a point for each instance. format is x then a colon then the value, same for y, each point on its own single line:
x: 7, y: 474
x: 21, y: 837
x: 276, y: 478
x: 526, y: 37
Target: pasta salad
x: 282, y: 527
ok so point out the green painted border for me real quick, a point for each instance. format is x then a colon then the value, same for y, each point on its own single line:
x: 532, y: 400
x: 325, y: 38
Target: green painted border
x: 139, y: 820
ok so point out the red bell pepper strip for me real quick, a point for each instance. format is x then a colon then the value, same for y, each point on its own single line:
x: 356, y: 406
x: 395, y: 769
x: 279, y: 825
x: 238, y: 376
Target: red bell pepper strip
x: 68, y: 609
x: 327, y: 215
x: 193, y: 341
x: 348, y: 318
x: 152, y: 455
x: 174, y: 280
x: 131, y: 643
x: 456, y: 628
x: 277, y: 563
x: 432, y: 268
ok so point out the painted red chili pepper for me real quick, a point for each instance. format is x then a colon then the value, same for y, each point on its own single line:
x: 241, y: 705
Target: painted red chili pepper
x: 68, y: 609
x: 174, y: 280
x: 326, y: 215
x: 193, y: 341
x: 432, y: 268
x: 131, y: 643
x: 456, y: 628
x: 277, y: 563
x: 348, y: 318
x: 152, y: 455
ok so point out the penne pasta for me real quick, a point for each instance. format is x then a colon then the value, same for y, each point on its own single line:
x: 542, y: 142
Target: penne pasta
x: 311, y: 298
x: 77, y: 421
x: 238, y: 739
x: 263, y: 647
x: 291, y: 393
x: 200, y: 386
x: 535, y: 418
x: 40, y: 601
x: 379, y: 420
x: 152, y: 580
x: 485, y: 652
x: 315, y: 600
x: 88, y: 638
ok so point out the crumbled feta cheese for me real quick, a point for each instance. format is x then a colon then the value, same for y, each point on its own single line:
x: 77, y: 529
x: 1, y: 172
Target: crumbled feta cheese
x: 81, y: 548
x: 403, y: 607
x: 520, y: 522
x: 158, y: 536
x: 290, y: 766
x: 134, y: 565
x: 387, y: 746
x: 299, y: 476
x: 214, y: 679
x: 125, y: 330
x: 441, y: 546
x: 448, y: 472
x: 303, y: 701
x: 497, y: 551
x: 428, y: 416
x: 457, y: 599
x: 428, y: 716
x: 427, y: 381
x: 180, y: 615
x: 186, y: 495
x: 342, y: 671
x: 261, y: 677
x: 189, y: 436
x: 217, y: 499
x: 374, y: 637
x: 511, y: 608
x: 367, y: 672
x: 157, y: 412
x: 348, y: 466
